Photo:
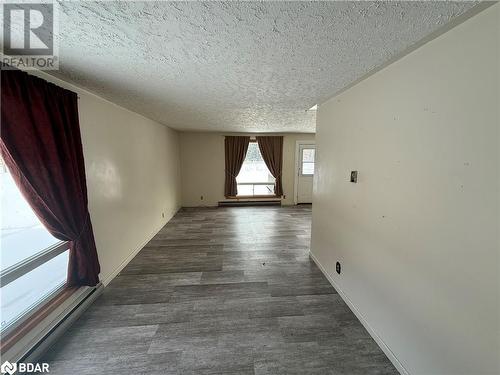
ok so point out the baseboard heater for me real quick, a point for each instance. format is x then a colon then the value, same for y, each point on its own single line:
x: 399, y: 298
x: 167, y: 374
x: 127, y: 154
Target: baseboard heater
x: 236, y: 203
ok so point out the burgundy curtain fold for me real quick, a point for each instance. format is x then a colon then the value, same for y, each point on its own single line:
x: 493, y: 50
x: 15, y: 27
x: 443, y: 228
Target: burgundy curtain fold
x: 235, y: 152
x: 41, y: 145
x: 271, y: 149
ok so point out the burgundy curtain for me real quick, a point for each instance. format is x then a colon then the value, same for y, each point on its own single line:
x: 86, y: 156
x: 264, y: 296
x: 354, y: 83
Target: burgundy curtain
x: 235, y: 152
x: 271, y: 149
x: 41, y: 146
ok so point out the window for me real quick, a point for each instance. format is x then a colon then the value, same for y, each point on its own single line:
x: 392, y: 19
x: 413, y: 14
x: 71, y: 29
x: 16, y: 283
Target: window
x: 307, y: 161
x: 254, y: 178
x: 33, y: 264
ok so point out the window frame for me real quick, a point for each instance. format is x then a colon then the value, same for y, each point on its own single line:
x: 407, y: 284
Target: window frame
x: 13, y: 272
x: 254, y: 183
x: 256, y: 195
x: 30, y: 319
x: 20, y: 269
x: 302, y: 162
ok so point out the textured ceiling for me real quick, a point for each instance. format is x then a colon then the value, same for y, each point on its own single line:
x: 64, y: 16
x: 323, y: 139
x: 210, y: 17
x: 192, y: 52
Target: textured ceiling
x: 235, y: 66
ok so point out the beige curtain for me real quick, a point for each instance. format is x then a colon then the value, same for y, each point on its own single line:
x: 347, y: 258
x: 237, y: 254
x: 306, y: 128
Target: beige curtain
x: 235, y: 152
x: 271, y: 149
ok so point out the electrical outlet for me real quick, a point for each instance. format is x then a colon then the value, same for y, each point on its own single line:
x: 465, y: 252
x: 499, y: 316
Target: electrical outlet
x: 201, y: 198
x: 163, y: 214
x: 338, y: 268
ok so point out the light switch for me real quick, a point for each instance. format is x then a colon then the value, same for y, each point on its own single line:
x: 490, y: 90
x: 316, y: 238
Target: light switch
x: 354, y: 176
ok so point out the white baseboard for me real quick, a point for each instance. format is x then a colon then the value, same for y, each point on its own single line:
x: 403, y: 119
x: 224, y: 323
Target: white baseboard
x: 107, y: 279
x: 380, y: 342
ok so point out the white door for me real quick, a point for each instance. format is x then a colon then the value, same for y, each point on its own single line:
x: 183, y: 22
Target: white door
x: 305, y: 175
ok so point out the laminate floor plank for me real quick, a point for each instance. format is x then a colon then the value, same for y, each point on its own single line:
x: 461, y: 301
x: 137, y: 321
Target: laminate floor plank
x: 221, y: 291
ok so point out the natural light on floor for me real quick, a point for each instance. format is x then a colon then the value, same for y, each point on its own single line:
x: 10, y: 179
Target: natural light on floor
x: 254, y: 178
x: 23, y: 237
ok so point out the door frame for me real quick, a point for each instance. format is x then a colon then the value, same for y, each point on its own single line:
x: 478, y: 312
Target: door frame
x: 296, y: 168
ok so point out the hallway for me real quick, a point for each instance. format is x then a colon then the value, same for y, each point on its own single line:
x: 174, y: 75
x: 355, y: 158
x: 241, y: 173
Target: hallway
x: 221, y: 291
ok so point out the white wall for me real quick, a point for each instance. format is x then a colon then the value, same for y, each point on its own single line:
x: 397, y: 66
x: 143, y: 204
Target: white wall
x: 417, y: 236
x: 133, y: 176
x: 202, y: 163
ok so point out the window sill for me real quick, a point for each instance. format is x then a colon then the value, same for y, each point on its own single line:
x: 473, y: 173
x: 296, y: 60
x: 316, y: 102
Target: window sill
x: 9, y: 339
x: 254, y: 196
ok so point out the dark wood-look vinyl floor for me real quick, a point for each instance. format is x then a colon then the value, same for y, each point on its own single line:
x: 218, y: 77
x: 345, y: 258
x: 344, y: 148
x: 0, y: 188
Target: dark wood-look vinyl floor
x: 221, y: 291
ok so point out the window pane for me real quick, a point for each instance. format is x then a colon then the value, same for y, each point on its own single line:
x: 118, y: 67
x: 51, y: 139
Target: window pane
x: 308, y: 154
x: 264, y: 189
x: 21, y: 233
x: 254, y: 170
x: 245, y: 190
x: 307, y: 168
x: 32, y: 288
